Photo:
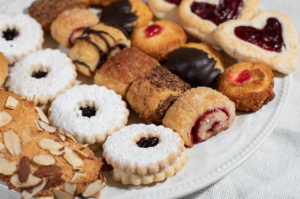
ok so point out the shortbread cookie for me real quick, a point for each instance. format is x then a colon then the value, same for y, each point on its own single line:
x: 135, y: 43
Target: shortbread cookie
x: 70, y: 24
x: 165, y: 9
x: 248, y: 84
x: 142, y: 154
x: 159, y: 39
x: 123, y: 68
x: 153, y: 93
x: 42, y: 75
x: 200, y: 18
x: 3, y: 68
x: 37, y: 161
x: 45, y: 11
x: 89, y: 113
x: 197, y: 64
x: 20, y: 35
x: 269, y: 38
x: 94, y: 47
x: 200, y: 114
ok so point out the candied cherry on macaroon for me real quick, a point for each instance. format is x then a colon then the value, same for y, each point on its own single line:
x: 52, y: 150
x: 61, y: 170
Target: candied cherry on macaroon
x: 165, y: 9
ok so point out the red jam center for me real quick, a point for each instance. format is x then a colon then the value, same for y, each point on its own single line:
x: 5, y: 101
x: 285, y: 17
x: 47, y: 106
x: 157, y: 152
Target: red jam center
x: 226, y: 10
x: 153, y: 30
x: 176, y: 2
x: 76, y: 33
x: 243, y: 76
x: 269, y: 38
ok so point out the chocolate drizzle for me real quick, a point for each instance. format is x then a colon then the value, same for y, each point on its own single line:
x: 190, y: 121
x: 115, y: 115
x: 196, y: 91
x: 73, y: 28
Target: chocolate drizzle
x: 119, y: 13
x: 193, y: 66
x: 39, y: 74
x: 10, y: 34
x: 147, y: 142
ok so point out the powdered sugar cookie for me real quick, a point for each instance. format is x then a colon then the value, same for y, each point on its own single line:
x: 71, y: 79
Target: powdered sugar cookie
x: 89, y: 113
x: 43, y: 74
x: 20, y: 35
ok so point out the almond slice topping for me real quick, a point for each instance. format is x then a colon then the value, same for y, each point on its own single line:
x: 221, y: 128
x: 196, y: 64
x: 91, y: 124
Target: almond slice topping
x: 35, y: 190
x: 32, y: 181
x: 73, y: 158
x: 11, y: 103
x: 2, y: 146
x: 77, y: 175
x: 48, y: 171
x: 41, y: 115
x: 25, y: 136
x: 24, y: 98
x: 24, y: 169
x: 38, y: 126
x: 6, y: 167
x: 71, y: 188
x: 2, y: 155
x: 5, y: 118
x: 61, y: 194
x: 50, y: 145
x: 68, y: 136
x: 93, y: 188
x: 62, y: 137
x: 46, y: 126
x: 12, y: 143
x: 46, y: 197
x: 44, y: 160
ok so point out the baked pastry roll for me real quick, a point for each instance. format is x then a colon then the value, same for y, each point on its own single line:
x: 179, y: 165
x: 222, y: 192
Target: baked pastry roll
x: 248, y: 84
x: 122, y: 69
x: 165, y: 9
x: 153, y: 93
x: 200, y: 114
x: 96, y: 44
x: 269, y: 38
x: 101, y: 2
x: 200, y: 18
x: 3, y: 68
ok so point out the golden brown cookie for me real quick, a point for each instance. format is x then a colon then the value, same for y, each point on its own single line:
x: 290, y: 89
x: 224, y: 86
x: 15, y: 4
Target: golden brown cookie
x: 37, y: 160
x: 101, y: 2
x: 159, y: 39
x: 124, y: 68
x: 3, y: 68
x: 165, y: 9
x: 248, y: 84
x: 153, y: 93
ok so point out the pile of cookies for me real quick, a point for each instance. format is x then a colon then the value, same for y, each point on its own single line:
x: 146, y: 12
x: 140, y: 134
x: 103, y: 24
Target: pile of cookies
x: 183, y: 90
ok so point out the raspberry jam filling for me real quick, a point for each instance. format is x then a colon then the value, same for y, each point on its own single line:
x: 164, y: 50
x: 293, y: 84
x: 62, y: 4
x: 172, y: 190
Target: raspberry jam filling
x: 176, y: 2
x: 39, y: 74
x: 153, y: 30
x: 87, y: 111
x: 75, y: 34
x: 226, y: 10
x: 269, y: 38
x: 10, y: 34
x: 209, y: 124
x: 244, y: 76
x: 147, y: 142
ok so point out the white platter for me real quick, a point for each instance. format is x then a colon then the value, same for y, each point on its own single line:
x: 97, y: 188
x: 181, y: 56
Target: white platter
x: 208, y: 161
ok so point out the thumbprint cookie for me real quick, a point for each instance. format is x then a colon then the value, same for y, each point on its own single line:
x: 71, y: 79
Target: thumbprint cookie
x: 122, y: 69
x: 248, y: 84
x: 197, y: 64
x: 96, y: 44
x: 200, y: 114
x: 153, y: 93
x: 159, y: 39
x: 165, y: 9
x: 3, y: 68
x: 142, y: 154
x: 200, y: 18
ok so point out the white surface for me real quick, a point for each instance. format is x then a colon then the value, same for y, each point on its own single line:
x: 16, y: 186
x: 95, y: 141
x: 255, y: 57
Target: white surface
x: 213, y: 159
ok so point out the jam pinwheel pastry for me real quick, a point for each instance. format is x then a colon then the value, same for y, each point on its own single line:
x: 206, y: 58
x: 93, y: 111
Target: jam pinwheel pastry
x: 165, y: 9
x: 159, y: 39
x: 3, y: 68
x: 200, y: 18
x: 200, y: 114
x: 197, y: 64
x: 96, y: 44
x: 269, y: 37
x: 248, y: 84
x: 142, y: 154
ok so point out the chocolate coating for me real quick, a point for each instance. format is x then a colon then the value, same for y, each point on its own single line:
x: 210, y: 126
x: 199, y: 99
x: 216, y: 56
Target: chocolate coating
x: 193, y: 66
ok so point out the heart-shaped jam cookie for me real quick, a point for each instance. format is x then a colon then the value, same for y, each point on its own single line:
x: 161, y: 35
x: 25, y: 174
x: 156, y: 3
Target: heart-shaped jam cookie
x: 200, y: 18
x: 165, y: 9
x: 269, y: 37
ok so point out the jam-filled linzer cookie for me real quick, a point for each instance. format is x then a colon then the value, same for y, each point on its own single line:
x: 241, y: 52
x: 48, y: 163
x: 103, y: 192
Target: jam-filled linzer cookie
x: 20, y: 35
x: 70, y: 24
x: 200, y: 114
x: 197, y: 64
x: 38, y: 161
x: 159, y: 39
x: 200, y: 18
x: 248, y: 84
x: 3, y: 68
x: 269, y: 38
x: 142, y: 154
x: 96, y: 44
x: 165, y: 9
x: 153, y: 93
x: 122, y: 69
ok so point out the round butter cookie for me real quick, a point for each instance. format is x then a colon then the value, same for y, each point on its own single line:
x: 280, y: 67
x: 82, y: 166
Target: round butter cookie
x: 165, y: 9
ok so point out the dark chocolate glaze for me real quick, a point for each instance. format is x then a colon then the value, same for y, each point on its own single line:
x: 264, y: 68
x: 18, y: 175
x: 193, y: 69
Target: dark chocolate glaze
x: 10, y: 34
x: 147, y: 142
x: 88, y: 111
x: 193, y: 66
x: 119, y: 13
x: 39, y: 74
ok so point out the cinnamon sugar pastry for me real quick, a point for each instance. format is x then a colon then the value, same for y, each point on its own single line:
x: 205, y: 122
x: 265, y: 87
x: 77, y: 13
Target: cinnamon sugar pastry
x: 269, y: 38
x: 200, y: 18
x: 158, y: 40
x: 165, y: 9
x: 142, y: 154
x: 122, y: 69
x: 3, y: 68
x: 96, y: 44
x: 248, y: 84
x: 70, y: 24
x: 200, y: 114
x: 153, y: 93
